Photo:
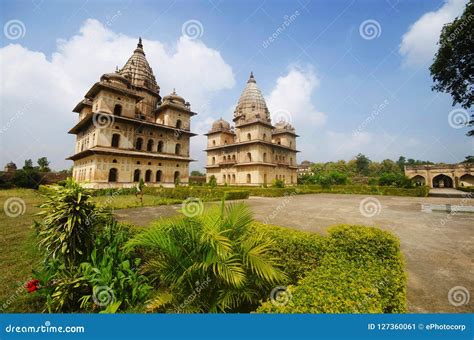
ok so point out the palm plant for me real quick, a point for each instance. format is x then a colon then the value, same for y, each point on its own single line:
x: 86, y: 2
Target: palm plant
x: 209, y: 263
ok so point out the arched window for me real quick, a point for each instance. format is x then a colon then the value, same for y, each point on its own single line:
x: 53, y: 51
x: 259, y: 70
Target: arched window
x: 139, y: 143
x: 291, y: 161
x: 213, y: 160
x: 114, y: 161
x: 223, y: 178
x: 158, y: 176
x: 148, y: 176
x: 160, y: 146
x: 149, y: 146
x: 214, y: 143
x: 233, y: 158
x: 178, y: 123
x: 278, y: 141
x: 264, y: 156
x: 136, y: 175
x: 249, y: 136
x: 115, y: 140
x: 249, y: 178
x: 118, y: 110
x: 233, y: 178
x: 177, y: 149
x: 176, y: 177
x: 249, y: 156
x: 264, y: 136
x: 113, y: 175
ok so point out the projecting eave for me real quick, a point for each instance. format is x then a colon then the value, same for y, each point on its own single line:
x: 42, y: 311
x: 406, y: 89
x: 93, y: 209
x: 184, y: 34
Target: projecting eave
x: 83, y: 103
x: 129, y: 153
x: 260, y: 141
x: 253, y: 122
x: 213, y: 132
x: 282, y: 132
x: 176, y: 107
x: 88, y: 120
x: 97, y: 87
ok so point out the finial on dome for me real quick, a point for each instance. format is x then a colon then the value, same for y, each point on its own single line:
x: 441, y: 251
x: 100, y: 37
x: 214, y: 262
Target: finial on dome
x: 174, y: 91
x: 140, y: 45
x: 251, y: 79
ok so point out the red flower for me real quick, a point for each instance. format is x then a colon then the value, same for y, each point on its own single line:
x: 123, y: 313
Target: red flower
x: 32, y: 285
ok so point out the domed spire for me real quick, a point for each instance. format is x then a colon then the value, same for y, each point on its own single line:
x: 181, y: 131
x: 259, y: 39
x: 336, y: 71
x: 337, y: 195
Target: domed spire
x: 251, y: 104
x: 138, y: 71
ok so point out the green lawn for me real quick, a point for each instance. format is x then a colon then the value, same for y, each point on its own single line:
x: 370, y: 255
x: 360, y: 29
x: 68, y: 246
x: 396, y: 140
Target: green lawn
x: 18, y: 251
x: 131, y: 201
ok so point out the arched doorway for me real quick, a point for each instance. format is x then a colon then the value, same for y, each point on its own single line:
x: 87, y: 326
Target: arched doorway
x: 249, y: 179
x: 113, y: 175
x: 176, y: 177
x: 158, y: 176
x: 466, y: 180
x: 148, y: 176
x: 115, y: 140
x: 136, y: 176
x: 442, y: 181
x: 418, y: 180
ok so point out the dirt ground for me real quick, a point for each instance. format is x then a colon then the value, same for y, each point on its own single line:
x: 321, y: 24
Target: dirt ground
x: 438, y: 246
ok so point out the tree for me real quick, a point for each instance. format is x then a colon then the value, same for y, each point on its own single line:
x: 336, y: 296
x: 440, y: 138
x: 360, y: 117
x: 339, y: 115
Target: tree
x: 453, y: 66
x: 362, y: 164
x: 401, y: 163
x: 43, y: 164
x: 28, y: 164
x: 469, y: 159
x: 197, y: 173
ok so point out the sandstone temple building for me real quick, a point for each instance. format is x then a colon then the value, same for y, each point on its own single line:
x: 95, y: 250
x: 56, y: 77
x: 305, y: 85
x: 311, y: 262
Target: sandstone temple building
x: 254, y: 152
x: 127, y: 132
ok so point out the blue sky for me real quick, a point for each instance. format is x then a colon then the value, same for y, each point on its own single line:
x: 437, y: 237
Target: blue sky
x: 344, y: 89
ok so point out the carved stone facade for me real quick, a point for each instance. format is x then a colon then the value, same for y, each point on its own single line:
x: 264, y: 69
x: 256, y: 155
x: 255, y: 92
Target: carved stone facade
x: 254, y: 152
x: 442, y: 176
x: 127, y: 132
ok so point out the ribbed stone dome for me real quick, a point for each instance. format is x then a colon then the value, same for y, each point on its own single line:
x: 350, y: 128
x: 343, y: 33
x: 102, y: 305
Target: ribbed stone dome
x: 220, y: 124
x: 251, y: 104
x: 138, y: 71
x: 284, y: 126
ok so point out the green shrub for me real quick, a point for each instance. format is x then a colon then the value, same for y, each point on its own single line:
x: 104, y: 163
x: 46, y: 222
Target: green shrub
x: 393, y: 179
x: 211, y: 257
x: 361, y: 271
x: 29, y: 178
x: 212, y: 181
x: 278, y: 183
x: 299, y: 252
x: 236, y: 195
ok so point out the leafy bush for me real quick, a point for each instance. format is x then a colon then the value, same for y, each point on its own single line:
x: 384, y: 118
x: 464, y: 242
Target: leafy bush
x: 66, y: 232
x: 299, y: 252
x: 28, y: 178
x: 208, y: 263
x: 278, y: 183
x: 236, y: 195
x: 398, y: 180
x: 361, y: 271
x: 213, y: 181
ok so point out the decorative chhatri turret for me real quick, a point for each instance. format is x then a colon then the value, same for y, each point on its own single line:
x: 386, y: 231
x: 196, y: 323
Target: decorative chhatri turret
x: 251, y: 105
x: 138, y: 71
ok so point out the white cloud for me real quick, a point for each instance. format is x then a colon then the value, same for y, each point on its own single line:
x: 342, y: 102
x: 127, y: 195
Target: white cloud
x: 419, y: 43
x: 291, y: 97
x: 38, y: 93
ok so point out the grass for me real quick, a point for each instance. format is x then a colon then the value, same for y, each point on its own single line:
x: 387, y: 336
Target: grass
x: 18, y: 250
x: 131, y: 201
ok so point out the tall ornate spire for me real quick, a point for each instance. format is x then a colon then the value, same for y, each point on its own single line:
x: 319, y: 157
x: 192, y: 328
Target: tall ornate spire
x: 138, y: 71
x: 251, y: 104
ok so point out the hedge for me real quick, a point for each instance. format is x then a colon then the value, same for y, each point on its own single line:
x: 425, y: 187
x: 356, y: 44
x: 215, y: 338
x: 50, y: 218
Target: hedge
x: 361, y: 271
x: 236, y: 195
